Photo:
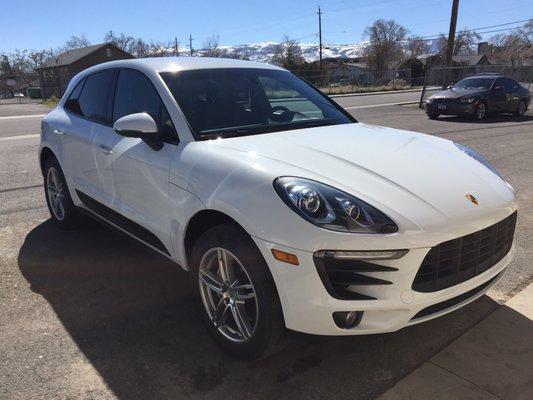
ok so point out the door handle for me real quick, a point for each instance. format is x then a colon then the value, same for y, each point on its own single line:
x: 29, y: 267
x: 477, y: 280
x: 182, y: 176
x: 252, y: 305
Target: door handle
x: 106, y: 150
x: 58, y: 132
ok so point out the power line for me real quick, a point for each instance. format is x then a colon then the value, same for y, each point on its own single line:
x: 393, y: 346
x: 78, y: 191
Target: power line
x: 485, y: 27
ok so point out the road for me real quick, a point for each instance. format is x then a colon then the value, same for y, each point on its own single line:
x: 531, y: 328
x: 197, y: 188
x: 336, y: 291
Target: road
x: 90, y: 314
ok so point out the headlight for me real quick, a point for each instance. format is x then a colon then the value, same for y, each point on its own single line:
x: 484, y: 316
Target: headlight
x: 331, y: 208
x: 467, y: 100
x: 478, y: 157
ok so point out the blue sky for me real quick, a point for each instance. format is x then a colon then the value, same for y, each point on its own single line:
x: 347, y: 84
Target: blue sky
x: 42, y: 24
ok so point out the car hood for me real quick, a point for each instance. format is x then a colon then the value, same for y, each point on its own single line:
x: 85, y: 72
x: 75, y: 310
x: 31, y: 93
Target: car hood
x: 391, y: 169
x: 456, y: 93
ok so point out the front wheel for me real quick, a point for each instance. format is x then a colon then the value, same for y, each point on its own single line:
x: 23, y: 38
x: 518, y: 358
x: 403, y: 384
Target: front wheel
x: 236, y: 294
x: 433, y: 115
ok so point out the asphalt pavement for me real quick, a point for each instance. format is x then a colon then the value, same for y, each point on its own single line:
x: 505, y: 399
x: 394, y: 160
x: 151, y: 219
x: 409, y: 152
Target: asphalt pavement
x: 91, y: 314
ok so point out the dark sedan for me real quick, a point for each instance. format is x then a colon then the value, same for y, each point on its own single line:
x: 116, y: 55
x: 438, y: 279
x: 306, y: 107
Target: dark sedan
x: 478, y: 96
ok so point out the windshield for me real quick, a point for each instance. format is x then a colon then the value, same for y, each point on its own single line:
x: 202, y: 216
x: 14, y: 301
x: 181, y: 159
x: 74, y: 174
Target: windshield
x: 474, y: 83
x: 245, y: 101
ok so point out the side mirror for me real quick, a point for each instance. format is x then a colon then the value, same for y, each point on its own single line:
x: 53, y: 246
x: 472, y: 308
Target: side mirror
x: 135, y: 125
x: 449, y: 86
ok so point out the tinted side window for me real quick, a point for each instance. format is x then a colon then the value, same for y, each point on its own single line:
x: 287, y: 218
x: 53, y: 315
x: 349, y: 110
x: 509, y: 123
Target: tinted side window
x: 72, y: 104
x: 510, y: 84
x: 134, y: 94
x: 94, y: 98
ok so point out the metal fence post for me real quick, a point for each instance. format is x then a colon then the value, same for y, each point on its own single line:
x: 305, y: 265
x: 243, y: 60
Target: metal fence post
x: 421, y: 102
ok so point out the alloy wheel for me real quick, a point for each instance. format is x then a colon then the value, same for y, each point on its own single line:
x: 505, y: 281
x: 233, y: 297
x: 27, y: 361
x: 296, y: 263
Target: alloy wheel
x: 228, y: 295
x: 55, y: 190
x: 521, y: 107
x: 481, y: 111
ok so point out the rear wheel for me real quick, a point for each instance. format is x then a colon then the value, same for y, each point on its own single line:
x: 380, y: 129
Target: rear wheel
x: 236, y: 294
x: 521, y: 109
x: 62, y: 210
x: 481, y: 111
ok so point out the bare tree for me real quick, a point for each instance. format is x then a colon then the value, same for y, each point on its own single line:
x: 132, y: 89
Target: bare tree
x: 210, y: 48
x: 465, y: 42
x: 386, y: 38
x: 512, y: 49
x: 288, y: 54
x: 75, y: 42
x: 122, y: 41
x: 526, y: 32
x: 417, y: 46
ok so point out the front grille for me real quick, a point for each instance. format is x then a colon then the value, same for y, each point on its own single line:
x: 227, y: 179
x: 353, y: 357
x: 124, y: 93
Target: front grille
x: 342, y: 278
x: 458, y: 260
x: 443, y: 305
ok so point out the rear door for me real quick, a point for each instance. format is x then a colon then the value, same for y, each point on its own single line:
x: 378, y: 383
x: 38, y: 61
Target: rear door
x: 499, y: 96
x: 88, y: 111
x: 512, y: 90
x: 136, y: 180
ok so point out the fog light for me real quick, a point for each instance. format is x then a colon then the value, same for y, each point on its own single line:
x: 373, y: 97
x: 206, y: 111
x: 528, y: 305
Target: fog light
x: 347, y: 319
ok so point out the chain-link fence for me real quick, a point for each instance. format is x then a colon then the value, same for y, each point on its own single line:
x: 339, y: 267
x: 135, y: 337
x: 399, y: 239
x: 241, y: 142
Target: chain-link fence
x: 360, y: 81
x: 438, y: 78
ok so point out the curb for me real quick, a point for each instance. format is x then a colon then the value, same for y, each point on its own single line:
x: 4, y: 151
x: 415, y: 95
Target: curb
x: 375, y: 93
x: 491, y: 360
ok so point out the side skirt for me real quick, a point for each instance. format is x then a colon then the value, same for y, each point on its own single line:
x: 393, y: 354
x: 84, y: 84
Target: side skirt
x: 114, y: 219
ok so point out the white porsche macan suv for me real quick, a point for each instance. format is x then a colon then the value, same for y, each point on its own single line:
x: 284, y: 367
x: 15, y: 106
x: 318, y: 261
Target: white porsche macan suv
x: 286, y: 211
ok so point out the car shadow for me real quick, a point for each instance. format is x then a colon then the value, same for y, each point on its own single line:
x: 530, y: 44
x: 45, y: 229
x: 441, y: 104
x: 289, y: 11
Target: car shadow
x: 129, y: 310
x: 490, y: 119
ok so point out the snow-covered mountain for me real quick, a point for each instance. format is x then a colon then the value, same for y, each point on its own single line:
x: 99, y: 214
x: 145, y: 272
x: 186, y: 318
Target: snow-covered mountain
x: 263, y: 51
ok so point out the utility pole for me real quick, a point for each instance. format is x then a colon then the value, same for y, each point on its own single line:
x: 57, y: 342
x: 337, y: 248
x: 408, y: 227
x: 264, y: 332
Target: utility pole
x: 320, y: 36
x: 176, y: 47
x: 190, y: 44
x: 451, y: 38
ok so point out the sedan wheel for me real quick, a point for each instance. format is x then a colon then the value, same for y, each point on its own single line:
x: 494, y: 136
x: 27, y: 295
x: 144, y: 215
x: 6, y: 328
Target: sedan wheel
x: 481, y: 111
x: 521, y: 108
x: 228, y: 295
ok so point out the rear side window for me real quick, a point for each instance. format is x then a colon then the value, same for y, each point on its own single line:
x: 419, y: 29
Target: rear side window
x: 510, y: 84
x: 135, y: 94
x: 72, y: 104
x: 94, y: 98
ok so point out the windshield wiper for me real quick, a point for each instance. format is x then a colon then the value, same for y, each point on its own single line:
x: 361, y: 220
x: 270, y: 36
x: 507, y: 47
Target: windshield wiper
x: 243, y: 131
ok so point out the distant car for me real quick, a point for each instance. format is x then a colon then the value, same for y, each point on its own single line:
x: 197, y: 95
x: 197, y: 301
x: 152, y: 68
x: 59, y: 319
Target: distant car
x: 285, y: 210
x: 18, y: 95
x: 479, y: 95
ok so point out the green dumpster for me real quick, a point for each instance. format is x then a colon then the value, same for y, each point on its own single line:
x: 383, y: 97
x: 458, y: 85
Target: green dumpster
x: 34, y: 93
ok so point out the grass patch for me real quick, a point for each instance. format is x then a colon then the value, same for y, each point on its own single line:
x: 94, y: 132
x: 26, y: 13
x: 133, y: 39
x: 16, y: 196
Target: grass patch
x: 51, y: 102
x: 346, y: 89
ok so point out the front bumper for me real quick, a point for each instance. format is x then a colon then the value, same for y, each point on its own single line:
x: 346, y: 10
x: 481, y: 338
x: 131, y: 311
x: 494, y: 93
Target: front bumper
x: 451, y: 108
x: 308, y: 307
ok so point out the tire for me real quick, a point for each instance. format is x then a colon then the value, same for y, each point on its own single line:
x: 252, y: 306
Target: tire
x: 481, y: 111
x: 263, y: 325
x: 521, y: 108
x: 433, y: 115
x: 63, y: 212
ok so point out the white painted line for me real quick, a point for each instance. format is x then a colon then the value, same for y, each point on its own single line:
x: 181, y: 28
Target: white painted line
x: 34, y: 136
x: 23, y: 116
x: 381, y: 105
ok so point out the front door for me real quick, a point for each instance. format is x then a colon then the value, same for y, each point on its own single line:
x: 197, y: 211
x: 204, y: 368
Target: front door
x: 136, y: 171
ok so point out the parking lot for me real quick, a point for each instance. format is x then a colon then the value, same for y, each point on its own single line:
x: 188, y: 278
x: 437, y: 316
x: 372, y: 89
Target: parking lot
x: 91, y: 314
